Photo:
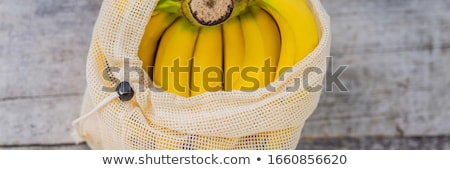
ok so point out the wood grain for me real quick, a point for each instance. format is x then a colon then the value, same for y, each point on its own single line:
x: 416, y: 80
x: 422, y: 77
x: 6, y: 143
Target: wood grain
x: 397, y: 54
x: 43, y: 49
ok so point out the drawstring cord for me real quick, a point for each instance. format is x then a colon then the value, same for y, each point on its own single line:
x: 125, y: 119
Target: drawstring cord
x: 77, y: 133
x: 123, y: 91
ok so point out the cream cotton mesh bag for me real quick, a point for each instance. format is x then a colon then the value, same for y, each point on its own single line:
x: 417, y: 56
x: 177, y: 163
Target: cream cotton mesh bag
x: 258, y: 120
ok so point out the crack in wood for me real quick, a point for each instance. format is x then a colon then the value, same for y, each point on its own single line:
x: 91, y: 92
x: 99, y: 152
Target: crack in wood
x: 42, y: 145
x: 40, y: 96
x: 358, y: 50
x: 375, y: 143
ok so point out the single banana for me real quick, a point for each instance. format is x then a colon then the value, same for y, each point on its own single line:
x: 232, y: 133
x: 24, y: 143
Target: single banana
x: 306, y: 22
x: 233, y: 44
x: 286, y: 60
x: 262, y: 43
x: 294, y: 21
x: 173, y: 58
x: 158, y: 23
x: 272, y: 42
x: 207, y: 62
x: 288, y: 41
x: 271, y: 35
x: 301, y: 18
x: 252, y: 77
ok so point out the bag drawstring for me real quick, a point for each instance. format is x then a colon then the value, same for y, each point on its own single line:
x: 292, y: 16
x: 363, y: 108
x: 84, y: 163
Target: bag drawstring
x: 123, y: 91
x: 77, y: 134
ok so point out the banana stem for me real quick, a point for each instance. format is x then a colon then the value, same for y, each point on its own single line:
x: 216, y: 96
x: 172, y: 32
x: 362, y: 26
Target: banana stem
x: 211, y: 12
x: 171, y: 6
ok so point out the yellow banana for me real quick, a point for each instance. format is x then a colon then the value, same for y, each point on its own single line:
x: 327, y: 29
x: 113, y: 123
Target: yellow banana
x: 258, y: 48
x: 233, y: 40
x: 158, y: 23
x: 300, y: 17
x: 288, y: 41
x: 207, y: 62
x: 254, y: 53
x: 286, y: 61
x: 295, y: 20
x: 173, y: 59
x: 306, y: 26
x: 272, y: 42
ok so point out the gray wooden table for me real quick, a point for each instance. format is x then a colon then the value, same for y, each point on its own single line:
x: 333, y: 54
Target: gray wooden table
x: 397, y: 53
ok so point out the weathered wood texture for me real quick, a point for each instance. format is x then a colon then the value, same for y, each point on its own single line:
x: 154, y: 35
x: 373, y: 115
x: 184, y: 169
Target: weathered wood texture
x: 375, y: 143
x: 367, y: 143
x: 43, y: 49
x: 397, y: 54
x: 48, y: 147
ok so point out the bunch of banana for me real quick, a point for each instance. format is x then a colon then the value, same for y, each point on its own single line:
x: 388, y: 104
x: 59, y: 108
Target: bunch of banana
x: 193, y: 46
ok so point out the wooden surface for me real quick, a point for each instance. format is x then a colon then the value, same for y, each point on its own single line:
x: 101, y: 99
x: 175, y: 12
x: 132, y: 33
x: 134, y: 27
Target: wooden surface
x: 397, y: 54
x: 377, y: 143
x: 43, y: 49
x: 366, y: 143
x: 398, y: 76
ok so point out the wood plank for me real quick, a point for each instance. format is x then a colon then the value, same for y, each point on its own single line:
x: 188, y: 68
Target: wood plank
x: 371, y: 143
x: 397, y: 54
x: 43, y: 49
x: 370, y: 6
x: 390, y: 94
x: 41, y: 120
x: 365, y: 26
x: 48, y: 147
x: 402, y: 143
x: 44, y: 45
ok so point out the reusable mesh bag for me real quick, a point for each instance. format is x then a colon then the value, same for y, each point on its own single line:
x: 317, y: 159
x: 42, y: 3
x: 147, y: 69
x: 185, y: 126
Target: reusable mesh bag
x: 261, y: 119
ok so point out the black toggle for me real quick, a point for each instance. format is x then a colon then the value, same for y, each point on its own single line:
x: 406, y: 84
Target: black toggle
x: 125, y: 91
